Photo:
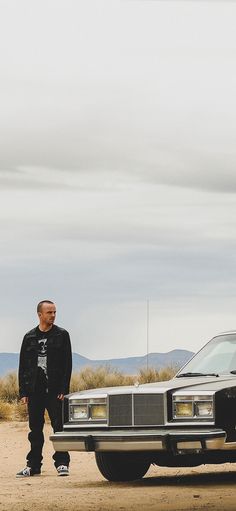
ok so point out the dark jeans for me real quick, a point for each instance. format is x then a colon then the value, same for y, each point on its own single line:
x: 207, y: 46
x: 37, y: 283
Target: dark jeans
x: 38, y: 403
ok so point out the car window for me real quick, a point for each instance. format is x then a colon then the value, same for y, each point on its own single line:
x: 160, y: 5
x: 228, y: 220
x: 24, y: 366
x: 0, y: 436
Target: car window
x: 217, y: 356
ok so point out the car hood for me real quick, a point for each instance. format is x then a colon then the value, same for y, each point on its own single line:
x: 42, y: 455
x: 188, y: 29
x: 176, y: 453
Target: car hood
x: 211, y: 383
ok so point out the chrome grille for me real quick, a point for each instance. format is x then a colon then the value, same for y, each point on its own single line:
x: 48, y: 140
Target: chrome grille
x: 148, y: 410
x: 136, y: 410
x: 120, y: 410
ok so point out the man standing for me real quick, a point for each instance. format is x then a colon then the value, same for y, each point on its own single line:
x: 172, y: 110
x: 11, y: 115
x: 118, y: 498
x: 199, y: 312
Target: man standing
x: 44, y: 376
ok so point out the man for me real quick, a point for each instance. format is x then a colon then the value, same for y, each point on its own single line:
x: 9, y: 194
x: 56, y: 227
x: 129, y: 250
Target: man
x: 44, y: 377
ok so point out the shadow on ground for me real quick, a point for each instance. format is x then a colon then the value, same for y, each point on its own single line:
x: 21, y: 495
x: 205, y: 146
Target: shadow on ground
x: 207, y: 479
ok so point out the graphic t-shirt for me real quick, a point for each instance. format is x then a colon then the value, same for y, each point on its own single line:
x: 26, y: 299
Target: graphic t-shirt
x: 42, y: 376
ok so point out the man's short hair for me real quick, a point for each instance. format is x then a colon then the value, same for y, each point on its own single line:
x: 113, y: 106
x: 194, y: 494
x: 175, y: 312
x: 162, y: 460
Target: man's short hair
x: 39, y: 306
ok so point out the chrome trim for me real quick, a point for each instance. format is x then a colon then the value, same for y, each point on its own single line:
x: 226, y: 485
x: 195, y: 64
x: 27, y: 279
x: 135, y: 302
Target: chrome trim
x: 215, y: 443
x: 149, y: 445
x: 193, y: 418
x: 194, y: 422
x: 79, y: 402
x: 165, y: 407
x: 194, y: 444
x: 133, y: 394
x: 86, y: 395
x: 229, y: 446
x: 84, y: 424
x: 129, y: 446
x: 185, y: 392
x: 65, y: 445
x: 211, y: 444
x: 132, y: 407
x: 116, y: 441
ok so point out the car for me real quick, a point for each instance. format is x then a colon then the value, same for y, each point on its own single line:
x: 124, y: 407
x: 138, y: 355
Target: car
x: 184, y: 422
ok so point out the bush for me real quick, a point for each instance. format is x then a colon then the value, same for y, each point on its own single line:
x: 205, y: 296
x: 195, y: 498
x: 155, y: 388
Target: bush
x: 92, y: 378
x: 151, y: 375
x: 167, y: 373
x: 5, y: 411
x: 87, y: 378
x: 9, y: 388
x: 106, y: 376
x: 20, y: 411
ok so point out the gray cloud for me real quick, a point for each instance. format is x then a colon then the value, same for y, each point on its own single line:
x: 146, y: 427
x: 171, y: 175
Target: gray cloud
x: 160, y: 108
x: 117, y: 171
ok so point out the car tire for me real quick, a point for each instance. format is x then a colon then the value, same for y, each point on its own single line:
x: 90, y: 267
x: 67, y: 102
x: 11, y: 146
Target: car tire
x: 116, y: 466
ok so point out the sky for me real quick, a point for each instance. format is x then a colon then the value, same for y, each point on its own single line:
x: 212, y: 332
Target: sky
x: 118, y: 172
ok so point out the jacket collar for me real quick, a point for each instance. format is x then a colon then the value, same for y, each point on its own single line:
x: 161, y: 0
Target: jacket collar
x: 33, y: 335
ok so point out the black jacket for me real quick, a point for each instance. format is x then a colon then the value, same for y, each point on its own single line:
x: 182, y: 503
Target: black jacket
x: 59, y: 362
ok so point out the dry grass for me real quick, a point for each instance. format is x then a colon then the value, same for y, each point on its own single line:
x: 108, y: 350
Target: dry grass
x: 5, y: 411
x: 88, y: 378
x: 105, y: 376
x: 19, y: 411
x: 9, y: 388
x: 151, y: 375
x: 93, y: 378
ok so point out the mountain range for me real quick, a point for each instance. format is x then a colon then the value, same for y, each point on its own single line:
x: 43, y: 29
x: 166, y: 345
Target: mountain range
x: 130, y: 365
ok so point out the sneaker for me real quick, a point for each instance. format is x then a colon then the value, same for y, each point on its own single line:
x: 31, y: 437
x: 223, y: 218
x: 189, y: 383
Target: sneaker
x: 28, y: 471
x: 63, y: 470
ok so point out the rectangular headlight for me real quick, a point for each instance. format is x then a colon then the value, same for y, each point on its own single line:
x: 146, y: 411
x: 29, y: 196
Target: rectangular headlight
x: 184, y: 409
x: 204, y: 409
x: 98, y: 411
x: 194, y: 407
x: 79, y: 412
x: 88, y: 409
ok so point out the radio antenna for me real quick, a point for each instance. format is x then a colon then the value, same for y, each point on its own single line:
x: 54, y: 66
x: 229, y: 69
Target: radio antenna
x: 147, y: 334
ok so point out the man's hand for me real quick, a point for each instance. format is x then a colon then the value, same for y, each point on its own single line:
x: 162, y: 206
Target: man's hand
x: 24, y: 400
x: 60, y: 396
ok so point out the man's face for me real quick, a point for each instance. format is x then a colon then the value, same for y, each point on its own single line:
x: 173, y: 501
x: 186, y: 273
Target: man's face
x: 47, y: 314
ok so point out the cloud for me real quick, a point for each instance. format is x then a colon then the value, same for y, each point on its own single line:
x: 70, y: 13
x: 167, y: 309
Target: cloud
x: 157, y: 104
x: 117, y: 169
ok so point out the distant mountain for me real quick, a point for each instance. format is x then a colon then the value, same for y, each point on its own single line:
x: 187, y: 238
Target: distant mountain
x: 8, y: 362
x: 131, y: 365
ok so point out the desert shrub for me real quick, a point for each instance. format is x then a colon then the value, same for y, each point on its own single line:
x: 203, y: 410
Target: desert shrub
x: 103, y: 376
x: 147, y: 375
x: 87, y: 378
x: 106, y: 376
x: 74, y: 382
x: 167, y: 373
x: 5, y: 411
x: 9, y: 388
x: 151, y: 375
x: 20, y: 412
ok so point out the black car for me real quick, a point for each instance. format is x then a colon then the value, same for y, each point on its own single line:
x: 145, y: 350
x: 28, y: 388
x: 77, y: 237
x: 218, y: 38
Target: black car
x: 183, y: 422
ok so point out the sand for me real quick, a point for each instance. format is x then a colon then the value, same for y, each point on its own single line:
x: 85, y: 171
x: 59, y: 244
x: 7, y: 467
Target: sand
x: 206, y: 488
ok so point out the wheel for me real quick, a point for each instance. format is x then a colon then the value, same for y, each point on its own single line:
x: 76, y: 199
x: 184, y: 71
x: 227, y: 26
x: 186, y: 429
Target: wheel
x: 119, y: 466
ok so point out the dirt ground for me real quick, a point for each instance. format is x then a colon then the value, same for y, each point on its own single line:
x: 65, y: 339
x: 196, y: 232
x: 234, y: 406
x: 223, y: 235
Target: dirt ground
x: 201, y: 488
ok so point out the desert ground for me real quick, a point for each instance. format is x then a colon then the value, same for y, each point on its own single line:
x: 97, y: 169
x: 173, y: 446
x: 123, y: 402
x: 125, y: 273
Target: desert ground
x: 201, y: 488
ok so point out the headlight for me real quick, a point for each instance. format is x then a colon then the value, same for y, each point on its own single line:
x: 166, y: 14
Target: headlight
x: 88, y: 409
x: 98, y: 411
x: 204, y: 409
x: 80, y: 412
x: 193, y: 407
x: 183, y: 409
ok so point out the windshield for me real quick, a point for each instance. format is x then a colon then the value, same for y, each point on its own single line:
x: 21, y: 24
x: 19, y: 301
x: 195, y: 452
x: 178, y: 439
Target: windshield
x: 217, y: 356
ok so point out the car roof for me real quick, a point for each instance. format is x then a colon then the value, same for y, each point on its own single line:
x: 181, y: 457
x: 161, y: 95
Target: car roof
x: 226, y: 332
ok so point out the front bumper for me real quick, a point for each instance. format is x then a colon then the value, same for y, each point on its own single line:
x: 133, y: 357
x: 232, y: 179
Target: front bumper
x: 169, y: 440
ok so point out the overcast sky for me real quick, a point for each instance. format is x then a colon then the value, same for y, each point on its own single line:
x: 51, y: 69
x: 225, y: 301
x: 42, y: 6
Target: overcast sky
x: 118, y: 171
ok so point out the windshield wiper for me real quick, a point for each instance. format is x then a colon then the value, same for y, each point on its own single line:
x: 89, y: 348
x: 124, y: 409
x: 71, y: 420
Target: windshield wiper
x: 182, y: 375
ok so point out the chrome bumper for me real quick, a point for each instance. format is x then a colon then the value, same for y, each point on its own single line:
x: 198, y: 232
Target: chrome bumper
x: 129, y: 440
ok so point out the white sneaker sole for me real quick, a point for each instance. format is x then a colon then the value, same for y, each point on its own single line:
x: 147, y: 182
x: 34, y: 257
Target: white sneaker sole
x: 25, y: 477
